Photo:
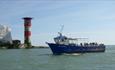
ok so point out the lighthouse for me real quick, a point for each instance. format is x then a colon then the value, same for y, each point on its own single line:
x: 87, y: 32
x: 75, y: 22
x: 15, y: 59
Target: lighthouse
x: 27, y: 32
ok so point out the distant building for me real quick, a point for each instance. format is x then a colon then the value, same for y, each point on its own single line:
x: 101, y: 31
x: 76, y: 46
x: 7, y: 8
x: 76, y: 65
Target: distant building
x: 5, y: 34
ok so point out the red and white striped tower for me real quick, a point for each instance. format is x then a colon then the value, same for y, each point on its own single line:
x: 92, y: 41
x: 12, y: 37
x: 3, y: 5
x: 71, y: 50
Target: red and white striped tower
x: 27, y: 32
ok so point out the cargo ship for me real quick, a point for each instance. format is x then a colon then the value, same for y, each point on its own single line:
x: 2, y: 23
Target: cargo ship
x: 67, y: 45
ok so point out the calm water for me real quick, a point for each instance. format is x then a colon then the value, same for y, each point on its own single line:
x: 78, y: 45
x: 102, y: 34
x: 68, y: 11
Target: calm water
x: 42, y: 59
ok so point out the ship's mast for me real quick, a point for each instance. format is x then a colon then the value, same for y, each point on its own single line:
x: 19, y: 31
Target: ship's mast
x: 60, y: 33
x: 61, y: 28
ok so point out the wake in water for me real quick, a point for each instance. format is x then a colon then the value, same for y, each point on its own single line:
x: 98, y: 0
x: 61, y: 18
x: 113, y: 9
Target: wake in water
x: 75, y: 54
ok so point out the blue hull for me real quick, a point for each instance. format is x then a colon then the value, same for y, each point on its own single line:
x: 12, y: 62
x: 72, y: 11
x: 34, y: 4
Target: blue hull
x: 59, y: 49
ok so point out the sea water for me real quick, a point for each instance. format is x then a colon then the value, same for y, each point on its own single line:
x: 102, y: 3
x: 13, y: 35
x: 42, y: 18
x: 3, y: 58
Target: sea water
x: 42, y: 59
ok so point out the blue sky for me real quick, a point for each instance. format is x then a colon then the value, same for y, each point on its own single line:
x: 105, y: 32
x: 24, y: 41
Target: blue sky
x: 94, y: 19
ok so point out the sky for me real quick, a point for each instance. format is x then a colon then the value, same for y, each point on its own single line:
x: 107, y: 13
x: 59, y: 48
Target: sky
x: 93, y: 19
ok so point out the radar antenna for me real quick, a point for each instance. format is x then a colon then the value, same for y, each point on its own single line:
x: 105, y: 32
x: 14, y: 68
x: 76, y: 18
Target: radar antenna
x: 60, y: 33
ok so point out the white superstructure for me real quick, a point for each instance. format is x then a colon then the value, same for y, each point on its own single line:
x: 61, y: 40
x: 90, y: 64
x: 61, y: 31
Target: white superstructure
x: 5, y: 34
